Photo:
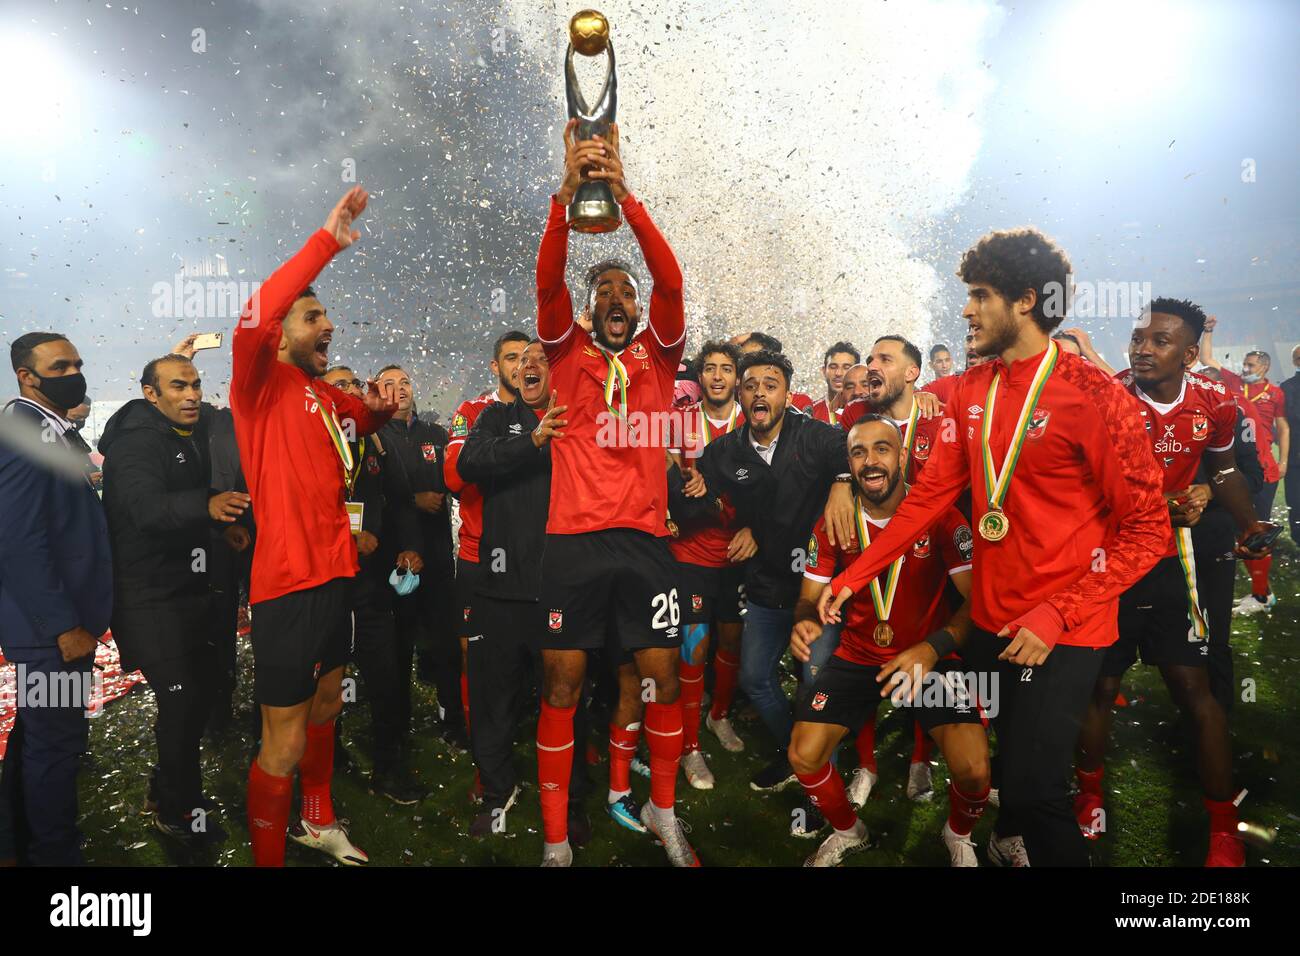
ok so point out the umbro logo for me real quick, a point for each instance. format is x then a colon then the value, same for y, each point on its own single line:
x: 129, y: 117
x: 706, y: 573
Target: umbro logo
x: 741, y: 473
x: 975, y: 411
x: 180, y: 457
x: 516, y: 429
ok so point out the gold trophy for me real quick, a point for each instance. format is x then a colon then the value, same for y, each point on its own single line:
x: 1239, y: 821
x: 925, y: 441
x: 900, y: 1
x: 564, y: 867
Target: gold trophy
x: 593, y: 208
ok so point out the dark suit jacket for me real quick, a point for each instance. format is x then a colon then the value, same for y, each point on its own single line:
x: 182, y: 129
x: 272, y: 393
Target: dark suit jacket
x: 56, y: 571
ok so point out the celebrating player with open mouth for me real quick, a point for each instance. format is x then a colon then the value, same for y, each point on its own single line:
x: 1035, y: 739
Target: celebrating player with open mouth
x: 900, y: 631
x: 293, y: 431
x: 1066, y: 499
x: 607, y: 566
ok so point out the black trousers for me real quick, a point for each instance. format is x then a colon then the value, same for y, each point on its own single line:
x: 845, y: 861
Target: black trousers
x: 1037, y: 713
x: 39, y: 781
x: 1291, y: 484
x: 183, y: 687
x: 505, y: 677
x: 1264, y: 500
x: 426, y: 626
x: 375, y: 653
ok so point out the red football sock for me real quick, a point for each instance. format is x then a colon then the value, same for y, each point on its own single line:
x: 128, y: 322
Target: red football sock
x: 554, y: 767
x: 825, y: 789
x: 920, y: 744
x: 1090, y: 780
x: 691, y: 677
x: 964, y: 809
x: 724, y: 684
x: 1223, y: 815
x: 1259, y: 568
x: 622, y: 748
x: 663, y: 734
x: 866, y: 744
x: 314, y: 772
x: 464, y: 698
x: 268, y: 815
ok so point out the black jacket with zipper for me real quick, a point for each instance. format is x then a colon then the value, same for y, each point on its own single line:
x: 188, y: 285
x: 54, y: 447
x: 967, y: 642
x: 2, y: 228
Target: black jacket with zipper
x: 421, y: 446
x: 383, y: 488
x: 515, y: 477
x: 779, y: 503
x: 157, y: 483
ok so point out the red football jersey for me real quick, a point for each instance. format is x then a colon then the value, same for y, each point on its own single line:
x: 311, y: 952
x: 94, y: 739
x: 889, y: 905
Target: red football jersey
x: 821, y: 410
x: 919, y: 608
x: 1269, y: 402
x: 608, y: 469
x: 471, y: 499
x: 290, y: 459
x: 1204, y: 417
x: 927, y: 433
x: 1086, y: 487
x: 704, y: 541
x: 942, y: 388
x: 801, y: 401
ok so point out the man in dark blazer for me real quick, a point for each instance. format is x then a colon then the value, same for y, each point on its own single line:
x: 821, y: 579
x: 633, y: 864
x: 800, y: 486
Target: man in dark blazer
x: 56, y: 594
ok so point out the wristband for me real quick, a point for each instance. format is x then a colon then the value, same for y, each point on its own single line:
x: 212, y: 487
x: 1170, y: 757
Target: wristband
x: 943, y: 642
x: 846, y: 478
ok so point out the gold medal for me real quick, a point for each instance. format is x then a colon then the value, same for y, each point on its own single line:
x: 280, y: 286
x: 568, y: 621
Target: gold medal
x: 994, y: 526
x: 883, y: 634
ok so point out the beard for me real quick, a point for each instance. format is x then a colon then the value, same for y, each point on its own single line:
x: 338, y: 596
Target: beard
x: 1001, y: 335
x: 506, y: 387
x: 888, y: 396
x: 599, y: 333
x: 891, y: 483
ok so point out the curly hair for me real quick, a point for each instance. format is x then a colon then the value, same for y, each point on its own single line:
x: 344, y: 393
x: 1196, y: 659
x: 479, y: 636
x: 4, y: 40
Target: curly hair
x: 1013, y: 261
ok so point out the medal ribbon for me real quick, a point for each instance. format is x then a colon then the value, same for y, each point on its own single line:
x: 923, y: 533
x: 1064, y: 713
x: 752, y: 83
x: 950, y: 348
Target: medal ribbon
x: 350, y: 476
x: 335, y: 431
x: 997, y: 483
x: 1183, y: 539
x: 910, y: 439
x: 882, y: 603
x: 708, y: 426
x: 615, y: 377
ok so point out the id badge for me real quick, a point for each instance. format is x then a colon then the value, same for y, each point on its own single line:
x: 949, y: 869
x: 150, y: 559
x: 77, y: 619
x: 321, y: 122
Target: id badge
x: 356, y: 512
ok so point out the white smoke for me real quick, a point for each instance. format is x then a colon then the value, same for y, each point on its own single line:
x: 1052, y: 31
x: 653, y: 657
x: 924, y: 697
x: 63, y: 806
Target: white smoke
x: 798, y: 157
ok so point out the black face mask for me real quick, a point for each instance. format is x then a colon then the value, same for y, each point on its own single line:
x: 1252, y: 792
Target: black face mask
x: 63, y: 391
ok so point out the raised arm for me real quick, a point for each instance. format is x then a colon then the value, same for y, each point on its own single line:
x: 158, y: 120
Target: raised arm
x: 256, y: 341
x: 1207, y: 343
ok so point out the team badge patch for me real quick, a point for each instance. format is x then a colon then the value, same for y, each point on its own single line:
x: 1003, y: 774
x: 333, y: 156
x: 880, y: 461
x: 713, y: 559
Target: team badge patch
x: 556, y: 621
x: 315, y: 671
x: 819, y: 701
x: 638, y: 350
x: 922, y: 546
x: 1038, y: 423
x: 372, y: 465
x: 466, y: 615
x: 430, y: 452
x: 459, y: 426
x: 1200, y: 427
x: 697, y: 602
x: 922, y: 447
x: 965, y: 542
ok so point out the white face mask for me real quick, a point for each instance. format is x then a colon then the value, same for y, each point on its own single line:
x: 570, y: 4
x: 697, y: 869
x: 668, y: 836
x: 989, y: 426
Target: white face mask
x: 1252, y: 378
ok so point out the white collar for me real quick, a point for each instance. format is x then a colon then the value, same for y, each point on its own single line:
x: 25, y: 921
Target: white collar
x: 1162, y: 409
x: 62, y: 424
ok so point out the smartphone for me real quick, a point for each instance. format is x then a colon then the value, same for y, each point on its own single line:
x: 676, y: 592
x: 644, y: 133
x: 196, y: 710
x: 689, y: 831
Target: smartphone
x: 207, y: 340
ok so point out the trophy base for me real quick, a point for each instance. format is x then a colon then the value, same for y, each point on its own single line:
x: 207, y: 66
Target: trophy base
x: 594, y: 216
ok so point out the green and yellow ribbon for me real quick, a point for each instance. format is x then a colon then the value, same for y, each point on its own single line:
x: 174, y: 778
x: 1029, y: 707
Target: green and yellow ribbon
x: 997, y: 483
x: 615, y: 378
x: 708, y: 426
x: 882, y: 602
x: 910, y: 438
x: 335, y: 431
x: 1183, y: 539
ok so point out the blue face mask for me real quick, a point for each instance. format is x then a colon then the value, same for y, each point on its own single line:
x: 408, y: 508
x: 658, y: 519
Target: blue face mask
x: 1252, y: 378
x: 404, y: 584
